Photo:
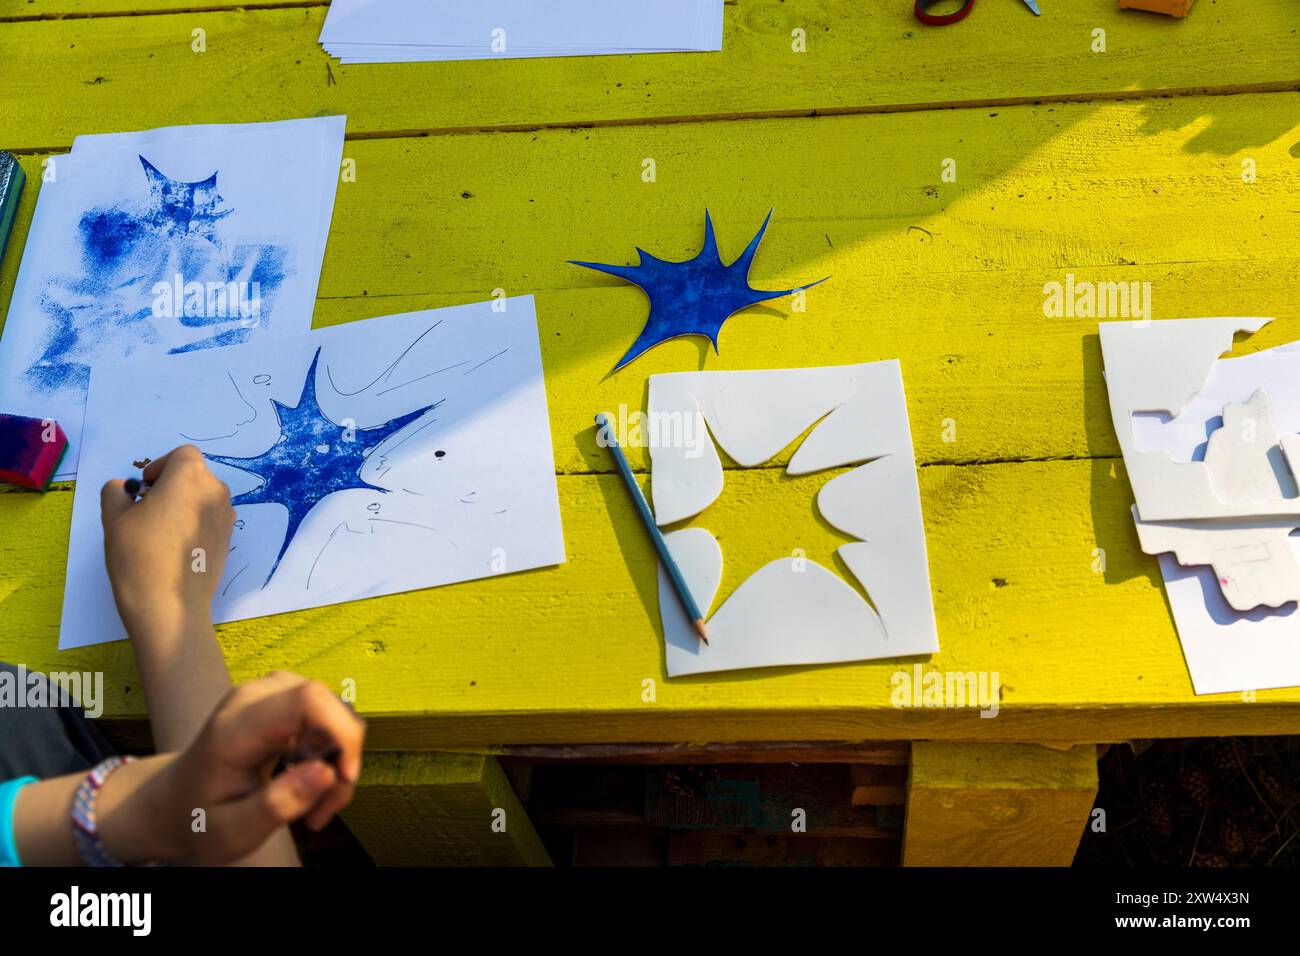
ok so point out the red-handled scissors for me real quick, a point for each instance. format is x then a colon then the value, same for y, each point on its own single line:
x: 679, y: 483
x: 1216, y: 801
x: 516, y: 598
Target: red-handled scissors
x: 943, y: 19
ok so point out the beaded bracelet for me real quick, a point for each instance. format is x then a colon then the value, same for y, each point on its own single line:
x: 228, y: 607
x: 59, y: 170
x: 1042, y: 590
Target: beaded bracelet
x: 85, y: 822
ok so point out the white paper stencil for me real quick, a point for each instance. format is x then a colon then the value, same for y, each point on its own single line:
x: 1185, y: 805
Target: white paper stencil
x: 363, y: 459
x: 1211, y: 449
x: 1155, y: 369
x: 789, y: 611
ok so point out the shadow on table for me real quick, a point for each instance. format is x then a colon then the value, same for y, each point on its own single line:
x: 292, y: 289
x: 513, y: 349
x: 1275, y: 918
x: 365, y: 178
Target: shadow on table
x: 1110, y: 495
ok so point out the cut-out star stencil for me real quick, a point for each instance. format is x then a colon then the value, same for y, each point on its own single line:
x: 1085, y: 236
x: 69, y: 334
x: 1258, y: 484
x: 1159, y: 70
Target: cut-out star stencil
x: 313, y: 458
x: 694, y: 297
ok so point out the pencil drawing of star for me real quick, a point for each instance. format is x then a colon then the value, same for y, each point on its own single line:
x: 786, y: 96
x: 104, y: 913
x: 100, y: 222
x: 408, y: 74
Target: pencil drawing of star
x: 313, y: 458
x: 694, y: 297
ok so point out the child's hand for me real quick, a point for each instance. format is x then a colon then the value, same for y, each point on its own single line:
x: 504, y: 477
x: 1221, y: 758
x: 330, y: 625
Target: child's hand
x: 165, y: 552
x: 226, y: 771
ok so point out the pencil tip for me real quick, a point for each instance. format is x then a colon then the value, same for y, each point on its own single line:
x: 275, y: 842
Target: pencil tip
x: 701, y: 630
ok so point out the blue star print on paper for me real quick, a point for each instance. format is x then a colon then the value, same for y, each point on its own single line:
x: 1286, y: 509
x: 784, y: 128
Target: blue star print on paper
x: 694, y: 297
x: 105, y: 309
x: 313, y: 458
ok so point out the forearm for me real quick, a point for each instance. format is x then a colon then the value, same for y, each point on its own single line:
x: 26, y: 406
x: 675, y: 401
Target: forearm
x: 134, y: 816
x: 183, y: 675
x: 140, y: 819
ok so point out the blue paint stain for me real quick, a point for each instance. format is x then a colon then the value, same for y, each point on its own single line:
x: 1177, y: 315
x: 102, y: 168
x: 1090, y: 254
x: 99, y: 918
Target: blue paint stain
x: 313, y: 458
x: 229, y: 337
x: 107, y: 311
x: 109, y: 234
x: 694, y: 297
x: 184, y: 207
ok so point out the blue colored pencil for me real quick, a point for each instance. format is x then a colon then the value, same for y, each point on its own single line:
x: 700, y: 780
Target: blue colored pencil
x: 674, y: 572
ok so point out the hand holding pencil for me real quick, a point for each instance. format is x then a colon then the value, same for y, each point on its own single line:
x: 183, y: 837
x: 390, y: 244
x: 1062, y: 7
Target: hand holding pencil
x: 165, y: 551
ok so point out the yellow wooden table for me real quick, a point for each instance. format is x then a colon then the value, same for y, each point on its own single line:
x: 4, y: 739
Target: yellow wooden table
x: 1114, y: 146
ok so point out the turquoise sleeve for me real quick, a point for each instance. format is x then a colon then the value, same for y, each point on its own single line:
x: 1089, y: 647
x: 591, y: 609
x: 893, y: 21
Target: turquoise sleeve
x: 8, y: 794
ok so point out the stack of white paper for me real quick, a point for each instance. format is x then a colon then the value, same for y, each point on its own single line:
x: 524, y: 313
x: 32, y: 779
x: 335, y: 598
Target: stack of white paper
x: 396, y: 31
x: 1212, y: 450
x: 163, y: 241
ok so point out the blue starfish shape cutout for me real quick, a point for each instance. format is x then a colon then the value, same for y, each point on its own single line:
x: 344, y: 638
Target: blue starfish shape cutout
x: 313, y: 458
x: 694, y: 297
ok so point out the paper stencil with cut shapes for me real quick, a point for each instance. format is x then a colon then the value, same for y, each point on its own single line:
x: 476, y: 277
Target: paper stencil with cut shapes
x: 168, y: 242
x: 791, y: 612
x: 363, y: 459
x: 1153, y: 371
x: 1211, y: 449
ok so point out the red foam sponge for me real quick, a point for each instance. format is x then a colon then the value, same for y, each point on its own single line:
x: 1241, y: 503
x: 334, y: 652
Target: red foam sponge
x: 30, y: 450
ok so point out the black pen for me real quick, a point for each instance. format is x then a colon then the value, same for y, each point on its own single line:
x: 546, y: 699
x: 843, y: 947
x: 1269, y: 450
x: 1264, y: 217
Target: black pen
x: 137, y: 488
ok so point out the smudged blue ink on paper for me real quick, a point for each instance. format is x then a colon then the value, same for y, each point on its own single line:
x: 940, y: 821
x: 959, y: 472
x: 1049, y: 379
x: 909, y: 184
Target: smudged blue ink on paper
x: 313, y: 458
x: 184, y: 207
x: 106, y: 311
x: 694, y: 297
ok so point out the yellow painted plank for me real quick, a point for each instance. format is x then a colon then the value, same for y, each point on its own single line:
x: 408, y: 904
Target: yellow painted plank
x: 100, y: 74
x: 428, y: 809
x: 564, y: 655
x: 947, y: 277
x: 997, y: 804
x: 19, y: 10
x: 942, y: 766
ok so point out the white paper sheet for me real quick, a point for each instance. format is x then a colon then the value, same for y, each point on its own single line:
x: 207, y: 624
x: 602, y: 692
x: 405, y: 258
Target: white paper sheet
x: 327, y: 130
x: 1226, y: 650
x: 464, y: 490
x: 379, y: 31
x: 128, y: 220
